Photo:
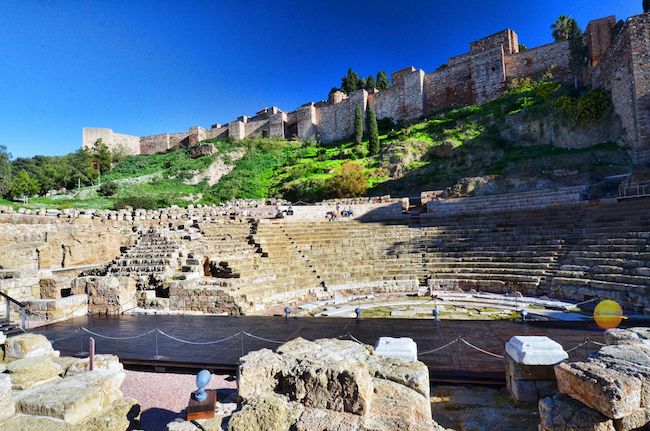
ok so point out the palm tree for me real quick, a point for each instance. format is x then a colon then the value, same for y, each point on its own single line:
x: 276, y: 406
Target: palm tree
x: 562, y: 27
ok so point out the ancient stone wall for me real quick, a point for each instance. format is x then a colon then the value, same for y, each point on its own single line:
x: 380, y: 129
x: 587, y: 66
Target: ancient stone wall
x: 161, y: 143
x: 619, y: 63
x: 599, y: 38
x: 507, y: 39
x: 624, y: 71
x: 336, y: 121
x: 448, y: 87
x: 116, y: 141
x: 537, y: 61
x: 50, y: 246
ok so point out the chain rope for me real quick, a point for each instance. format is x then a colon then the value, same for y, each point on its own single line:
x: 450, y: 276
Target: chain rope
x: 248, y: 334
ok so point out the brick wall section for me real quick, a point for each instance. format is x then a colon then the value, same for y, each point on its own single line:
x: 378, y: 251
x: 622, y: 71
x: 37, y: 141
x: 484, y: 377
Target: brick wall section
x: 161, y: 143
x: 624, y: 71
x: 639, y: 29
x: 507, y: 39
x: 449, y: 87
x: 535, y: 62
x: 599, y: 38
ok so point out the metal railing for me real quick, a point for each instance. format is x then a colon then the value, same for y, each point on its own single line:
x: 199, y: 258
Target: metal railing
x: 633, y: 190
x: 21, y: 309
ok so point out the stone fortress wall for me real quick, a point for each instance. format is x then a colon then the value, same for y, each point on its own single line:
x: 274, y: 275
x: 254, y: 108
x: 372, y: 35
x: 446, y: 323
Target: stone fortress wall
x: 618, y: 53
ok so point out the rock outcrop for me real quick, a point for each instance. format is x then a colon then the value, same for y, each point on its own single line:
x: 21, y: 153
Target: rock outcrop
x: 41, y: 391
x: 331, y: 384
x: 608, y: 392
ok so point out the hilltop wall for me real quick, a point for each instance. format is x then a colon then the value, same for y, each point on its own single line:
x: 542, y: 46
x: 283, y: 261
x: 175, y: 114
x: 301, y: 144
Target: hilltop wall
x: 619, y: 57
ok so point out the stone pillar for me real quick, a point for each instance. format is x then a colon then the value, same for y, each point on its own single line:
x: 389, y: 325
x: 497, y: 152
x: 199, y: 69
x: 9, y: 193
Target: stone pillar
x: 529, y: 363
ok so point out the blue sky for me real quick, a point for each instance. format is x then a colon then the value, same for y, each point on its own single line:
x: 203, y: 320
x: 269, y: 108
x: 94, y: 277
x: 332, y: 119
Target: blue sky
x: 148, y: 67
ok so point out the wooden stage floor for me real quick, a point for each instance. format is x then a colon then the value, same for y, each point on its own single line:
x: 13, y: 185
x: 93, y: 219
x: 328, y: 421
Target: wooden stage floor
x: 456, y: 363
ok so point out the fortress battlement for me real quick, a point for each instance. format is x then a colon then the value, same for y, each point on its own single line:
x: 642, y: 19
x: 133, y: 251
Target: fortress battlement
x: 617, y: 55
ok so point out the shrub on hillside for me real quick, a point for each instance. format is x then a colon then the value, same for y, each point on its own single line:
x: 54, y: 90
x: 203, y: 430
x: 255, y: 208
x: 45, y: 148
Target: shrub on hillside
x: 350, y: 181
x: 108, y: 189
x: 587, y: 109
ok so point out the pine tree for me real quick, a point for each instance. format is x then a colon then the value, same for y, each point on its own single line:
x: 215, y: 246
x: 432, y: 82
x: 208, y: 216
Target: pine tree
x: 373, y: 133
x: 646, y: 6
x: 382, y: 81
x: 358, y: 125
x: 350, y: 82
x: 371, y: 84
x: 361, y: 83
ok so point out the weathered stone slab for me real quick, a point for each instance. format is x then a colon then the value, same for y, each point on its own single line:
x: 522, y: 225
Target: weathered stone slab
x: 269, y: 412
x: 610, y: 392
x: 27, y: 346
x: 562, y: 413
x: 123, y: 414
x: 400, y: 348
x: 535, y: 350
x: 28, y: 372
x: 319, y: 419
x: 102, y: 362
x: 635, y: 421
x: 74, y: 399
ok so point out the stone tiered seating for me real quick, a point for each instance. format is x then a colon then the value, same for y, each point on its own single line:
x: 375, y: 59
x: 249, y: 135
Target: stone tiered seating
x: 152, y: 255
x: 575, y: 252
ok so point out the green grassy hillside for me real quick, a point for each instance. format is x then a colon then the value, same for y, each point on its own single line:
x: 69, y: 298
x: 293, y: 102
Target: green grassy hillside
x: 436, y: 152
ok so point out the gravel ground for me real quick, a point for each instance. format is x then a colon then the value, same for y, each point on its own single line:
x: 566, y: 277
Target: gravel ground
x: 164, y: 396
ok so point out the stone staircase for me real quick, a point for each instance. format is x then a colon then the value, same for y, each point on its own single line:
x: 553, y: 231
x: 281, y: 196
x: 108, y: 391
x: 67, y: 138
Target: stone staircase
x: 151, y: 258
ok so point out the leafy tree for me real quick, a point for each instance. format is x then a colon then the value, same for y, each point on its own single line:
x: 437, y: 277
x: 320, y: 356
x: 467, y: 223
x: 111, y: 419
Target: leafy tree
x: 373, y: 133
x: 646, y: 6
x: 563, y: 27
x: 23, y: 185
x: 371, y: 84
x: 349, y: 82
x: 358, y: 125
x: 522, y: 47
x: 5, y: 171
x: 382, y: 81
x: 361, y: 83
x: 102, y: 156
x: 351, y: 181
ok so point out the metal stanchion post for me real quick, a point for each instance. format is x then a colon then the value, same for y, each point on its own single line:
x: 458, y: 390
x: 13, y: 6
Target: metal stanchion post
x: 157, y: 356
x: 91, y: 350
x: 81, y: 343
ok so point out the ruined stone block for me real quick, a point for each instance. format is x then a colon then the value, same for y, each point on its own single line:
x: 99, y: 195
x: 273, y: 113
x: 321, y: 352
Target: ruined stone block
x: 610, y: 392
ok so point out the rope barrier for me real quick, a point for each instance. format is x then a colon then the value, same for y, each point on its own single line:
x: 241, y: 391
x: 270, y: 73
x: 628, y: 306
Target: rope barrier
x: 437, y: 349
x: 479, y: 349
x: 584, y: 343
x: 74, y: 334
x: 262, y: 338
x: 118, y: 338
x: 198, y: 343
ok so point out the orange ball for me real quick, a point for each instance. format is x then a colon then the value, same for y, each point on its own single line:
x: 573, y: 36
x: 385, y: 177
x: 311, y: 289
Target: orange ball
x: 608, y: 314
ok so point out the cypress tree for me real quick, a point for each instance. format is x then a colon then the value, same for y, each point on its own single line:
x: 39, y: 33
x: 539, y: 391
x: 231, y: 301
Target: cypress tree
x: 371, y: 84
x: 350, y: 82
x: 361, y: 83
x: 373, y: 133
x: 358, y: 125
x: 382, y: 81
